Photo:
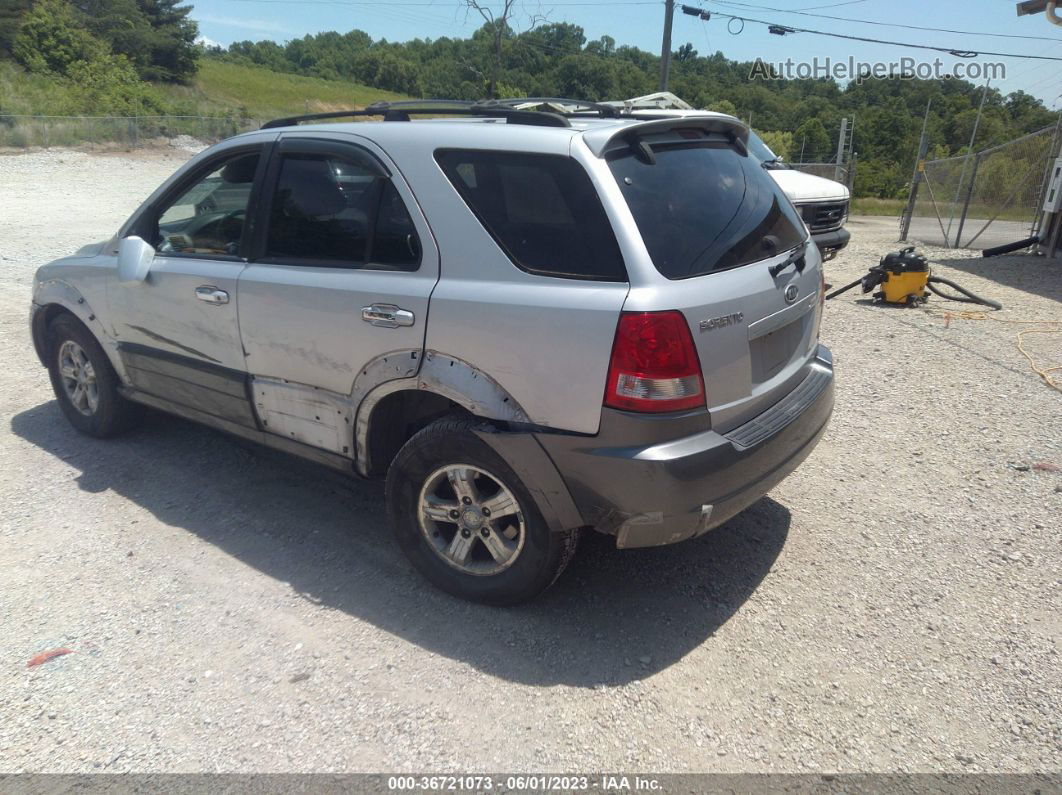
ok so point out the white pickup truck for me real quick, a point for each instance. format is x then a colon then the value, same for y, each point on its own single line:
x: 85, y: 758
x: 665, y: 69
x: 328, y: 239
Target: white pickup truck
x: 823, y: 203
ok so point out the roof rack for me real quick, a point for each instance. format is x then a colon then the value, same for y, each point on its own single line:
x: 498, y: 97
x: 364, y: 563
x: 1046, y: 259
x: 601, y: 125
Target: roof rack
x: 558, y: 105
x: 639, y: 108
x: 401, y: 111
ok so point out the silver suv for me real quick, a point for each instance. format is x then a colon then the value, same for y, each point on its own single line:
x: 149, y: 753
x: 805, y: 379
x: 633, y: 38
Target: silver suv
x: 529, y: 322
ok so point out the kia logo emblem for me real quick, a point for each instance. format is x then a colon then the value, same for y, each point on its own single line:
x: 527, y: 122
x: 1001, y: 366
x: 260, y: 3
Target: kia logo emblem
x: 791, y: 293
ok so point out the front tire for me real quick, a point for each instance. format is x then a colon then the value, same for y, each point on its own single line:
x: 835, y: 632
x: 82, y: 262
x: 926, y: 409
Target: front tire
x: 467, y: 523
x: 84, y: 382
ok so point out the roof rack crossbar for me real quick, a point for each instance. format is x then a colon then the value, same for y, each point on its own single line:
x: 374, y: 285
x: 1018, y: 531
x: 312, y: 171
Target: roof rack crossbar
x: 401, y: 111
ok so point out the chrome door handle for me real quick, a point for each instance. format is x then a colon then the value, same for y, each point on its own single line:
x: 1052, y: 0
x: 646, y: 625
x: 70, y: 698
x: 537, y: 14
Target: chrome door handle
x: 211, y: 294
x: 386, y: 316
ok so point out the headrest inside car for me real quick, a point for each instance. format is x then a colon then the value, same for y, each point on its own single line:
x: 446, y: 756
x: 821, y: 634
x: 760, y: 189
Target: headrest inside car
x: 309, y: 188
x: 240, y: 170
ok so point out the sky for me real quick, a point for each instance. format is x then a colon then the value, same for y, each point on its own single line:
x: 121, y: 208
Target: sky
x: 640, y: 23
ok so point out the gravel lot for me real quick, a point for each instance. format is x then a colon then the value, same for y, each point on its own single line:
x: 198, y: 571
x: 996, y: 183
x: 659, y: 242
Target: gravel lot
x: 892, y: 606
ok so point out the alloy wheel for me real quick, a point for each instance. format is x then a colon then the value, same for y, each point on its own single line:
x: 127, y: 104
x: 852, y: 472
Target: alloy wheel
x: 471, y: 519
x: 79, y: 378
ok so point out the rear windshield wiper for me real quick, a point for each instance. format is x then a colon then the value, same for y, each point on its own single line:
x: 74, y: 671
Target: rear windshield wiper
x: 795, y: 256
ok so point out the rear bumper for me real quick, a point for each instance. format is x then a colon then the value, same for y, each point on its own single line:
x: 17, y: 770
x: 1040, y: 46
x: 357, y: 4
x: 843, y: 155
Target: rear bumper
x: 652, y: 491
x: 832, y: 242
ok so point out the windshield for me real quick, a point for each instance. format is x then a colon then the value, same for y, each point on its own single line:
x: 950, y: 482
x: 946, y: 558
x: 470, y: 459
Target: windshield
x: 705, y: 207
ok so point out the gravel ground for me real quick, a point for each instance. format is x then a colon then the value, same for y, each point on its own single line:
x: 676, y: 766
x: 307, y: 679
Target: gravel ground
x: 892, y: 606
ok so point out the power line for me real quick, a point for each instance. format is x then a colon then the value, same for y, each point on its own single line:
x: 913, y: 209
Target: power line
x: 958, y: 53
x: 833, y: 5
x: 807, y: 13
x: 1031, y: 69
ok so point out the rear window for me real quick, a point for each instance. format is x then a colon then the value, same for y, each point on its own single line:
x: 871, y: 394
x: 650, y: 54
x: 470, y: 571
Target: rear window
x: 542, y: 210
x: 704, y: 207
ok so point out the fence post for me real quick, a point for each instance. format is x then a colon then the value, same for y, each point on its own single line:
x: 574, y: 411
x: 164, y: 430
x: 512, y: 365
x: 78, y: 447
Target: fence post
x: 840, y: 150
x: 966, y: 203
x: 919, y: 169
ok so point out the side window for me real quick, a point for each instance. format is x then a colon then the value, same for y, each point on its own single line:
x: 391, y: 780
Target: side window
x: 208, y: 217
x: 542, y: 210
x: 334, y: 211
x: 395, y: 240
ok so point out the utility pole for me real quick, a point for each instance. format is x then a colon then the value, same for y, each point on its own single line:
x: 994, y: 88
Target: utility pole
x: 665, y: 47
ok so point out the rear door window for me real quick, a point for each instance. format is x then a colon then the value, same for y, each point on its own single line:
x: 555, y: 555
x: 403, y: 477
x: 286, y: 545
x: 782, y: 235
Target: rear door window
x: 704, y: 207
x: 542, y: 210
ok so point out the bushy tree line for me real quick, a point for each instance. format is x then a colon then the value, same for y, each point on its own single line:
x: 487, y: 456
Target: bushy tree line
x: 800, y: 118
x: 108, y: 49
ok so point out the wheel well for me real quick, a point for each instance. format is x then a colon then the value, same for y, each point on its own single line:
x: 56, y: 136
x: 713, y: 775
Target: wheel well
x: 397, y: 417
x: 41, y: 321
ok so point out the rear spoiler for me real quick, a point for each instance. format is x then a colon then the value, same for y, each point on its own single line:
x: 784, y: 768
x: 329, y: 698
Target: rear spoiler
x: 600, y: 139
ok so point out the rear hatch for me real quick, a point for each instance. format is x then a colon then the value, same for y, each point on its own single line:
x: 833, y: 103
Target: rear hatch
x: 732, y: 255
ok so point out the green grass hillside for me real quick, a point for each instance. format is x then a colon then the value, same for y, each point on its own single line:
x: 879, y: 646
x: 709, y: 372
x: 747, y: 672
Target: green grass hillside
x: 219, y: 89
x: 257, y: 93
x: 240, y: 96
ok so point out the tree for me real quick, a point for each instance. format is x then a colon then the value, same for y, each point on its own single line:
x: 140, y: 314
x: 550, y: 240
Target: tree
x: 11, y: 11
x: 724, y: 106
x: 122, y: 25
x: 496, y: 18
x: 605, y: 46
x: 585, y: 77
x: 173, y: 51
x: 812, y: 142
x: 685, y: 53
x: 51, y: 38
x: 778, y: 141
x: 111, y: 82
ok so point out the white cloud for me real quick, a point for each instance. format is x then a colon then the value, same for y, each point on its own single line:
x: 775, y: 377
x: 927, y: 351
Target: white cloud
x: 243, y: 23
x: 206, y: 41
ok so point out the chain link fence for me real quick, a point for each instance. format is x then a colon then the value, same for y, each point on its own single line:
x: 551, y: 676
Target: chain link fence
x: 21, y: 131
x: 988, y: 198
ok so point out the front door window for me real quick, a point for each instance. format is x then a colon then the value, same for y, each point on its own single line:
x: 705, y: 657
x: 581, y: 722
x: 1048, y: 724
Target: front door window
x: 208, y: 218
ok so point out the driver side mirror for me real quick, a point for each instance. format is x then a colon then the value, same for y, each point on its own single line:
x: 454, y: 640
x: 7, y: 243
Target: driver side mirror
x: 134, y: 260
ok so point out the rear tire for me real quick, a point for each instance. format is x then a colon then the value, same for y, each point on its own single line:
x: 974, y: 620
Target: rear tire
x: 84, y: 382
x: 467, y: 523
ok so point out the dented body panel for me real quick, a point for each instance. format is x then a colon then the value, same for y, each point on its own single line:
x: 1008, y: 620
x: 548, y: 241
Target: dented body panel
x: 312, y: 416
x: 447, y: 376
x: 78, y: 285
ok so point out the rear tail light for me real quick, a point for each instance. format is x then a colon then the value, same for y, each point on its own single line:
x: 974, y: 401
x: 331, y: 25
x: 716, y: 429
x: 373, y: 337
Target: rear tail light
x: 654, y: 364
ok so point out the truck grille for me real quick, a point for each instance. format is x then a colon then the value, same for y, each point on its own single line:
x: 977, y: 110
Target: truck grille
x: 824, y: 216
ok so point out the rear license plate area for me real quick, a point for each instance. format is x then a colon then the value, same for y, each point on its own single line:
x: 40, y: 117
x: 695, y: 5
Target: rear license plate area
x: 772, y: 352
